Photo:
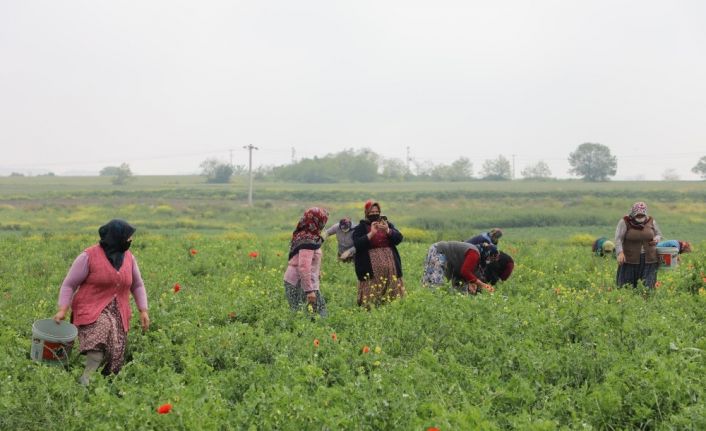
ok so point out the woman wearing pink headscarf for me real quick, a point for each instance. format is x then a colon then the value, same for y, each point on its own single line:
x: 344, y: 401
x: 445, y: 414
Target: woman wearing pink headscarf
x: 636, y: 239
x: 301, y: 280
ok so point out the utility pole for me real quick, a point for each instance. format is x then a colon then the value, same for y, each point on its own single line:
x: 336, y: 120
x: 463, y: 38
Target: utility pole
x: 250, y: 148
x: 231, y: 157
x: 513, y: 166
x: 409, y: 160
x: 294, y: 154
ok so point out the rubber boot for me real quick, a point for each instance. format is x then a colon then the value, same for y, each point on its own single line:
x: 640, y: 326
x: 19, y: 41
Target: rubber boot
x: 93, y: 361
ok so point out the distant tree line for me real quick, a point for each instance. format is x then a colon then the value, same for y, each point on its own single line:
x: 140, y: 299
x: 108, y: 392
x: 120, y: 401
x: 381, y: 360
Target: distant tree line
x: 590, y: 161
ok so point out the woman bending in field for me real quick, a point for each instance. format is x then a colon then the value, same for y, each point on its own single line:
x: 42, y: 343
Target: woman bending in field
x: 301, y: 280
x: 636, y: 238
x: 458, y: 262
x: 603, y: 247
x: 377, y: 262
x: 493, y: 270
x: 97, y: 289
x: 490, y: 237
x: 683, y: 246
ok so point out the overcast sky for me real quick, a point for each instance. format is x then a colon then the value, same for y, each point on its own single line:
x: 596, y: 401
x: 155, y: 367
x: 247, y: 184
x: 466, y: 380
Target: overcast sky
x: 163, y: 85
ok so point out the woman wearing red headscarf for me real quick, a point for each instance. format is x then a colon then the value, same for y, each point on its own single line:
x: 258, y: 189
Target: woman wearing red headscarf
x: 301, y: 280
x: 377, y: 262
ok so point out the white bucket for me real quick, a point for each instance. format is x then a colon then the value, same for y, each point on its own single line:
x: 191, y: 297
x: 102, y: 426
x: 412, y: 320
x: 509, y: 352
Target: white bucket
x: 668, y: 257
x: 52, y: 342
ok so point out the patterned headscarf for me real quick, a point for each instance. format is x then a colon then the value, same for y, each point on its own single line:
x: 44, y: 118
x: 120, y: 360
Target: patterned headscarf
x: 345, y: 224
x: 307, y: 235
x: 369, y: 204
x: 487, y: 250
x: 638, y: 208
x: 684, y: 247
x: 495, y: 234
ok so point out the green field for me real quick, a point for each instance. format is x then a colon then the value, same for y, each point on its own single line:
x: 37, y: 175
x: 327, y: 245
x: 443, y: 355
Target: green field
x: 556, y: 346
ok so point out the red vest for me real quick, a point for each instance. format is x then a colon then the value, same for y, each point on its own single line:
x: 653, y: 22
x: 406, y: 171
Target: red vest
x: 102, y: 284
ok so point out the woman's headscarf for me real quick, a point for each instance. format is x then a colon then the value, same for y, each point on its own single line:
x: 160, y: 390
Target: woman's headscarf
x: 495, y: 234
x: 638, y: 208
x: 345, y: 224
x: 307, y: 235
x: 684, y: 247
x: 487, y: 250
x: 114, y: 240
x: 369, y: 204
x: 506, y: 265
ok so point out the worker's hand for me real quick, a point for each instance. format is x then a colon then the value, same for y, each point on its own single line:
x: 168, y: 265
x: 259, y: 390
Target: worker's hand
x: 374, y: 227
x: 621, y: 258
x: 346, y: 254
x: 653, y: 242
x: 144, y: 320
x: 487, y: 287
x: 60, y: 315
x: 311, y: 297
x: 383, y: 226
x: 472, y: 288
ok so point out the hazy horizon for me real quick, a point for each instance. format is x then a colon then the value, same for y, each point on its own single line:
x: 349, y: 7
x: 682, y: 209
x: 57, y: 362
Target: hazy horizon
x: 163, y: 85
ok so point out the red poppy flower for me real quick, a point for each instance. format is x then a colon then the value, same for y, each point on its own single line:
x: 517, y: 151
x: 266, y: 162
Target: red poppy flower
x: 334, y: 337
x: 366, y: 349
x: 231, y: 315
x: 193, y: 252
x: 177, y: 287
x: 253, y: 254
x: 164, y: 409
x: 316, y: 342
x: 433, y: 429
x: 658, y: 284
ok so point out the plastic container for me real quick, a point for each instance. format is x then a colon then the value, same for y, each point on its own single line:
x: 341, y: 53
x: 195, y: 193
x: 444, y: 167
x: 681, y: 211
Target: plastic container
x: 52, y: 343
x: 668, y: 257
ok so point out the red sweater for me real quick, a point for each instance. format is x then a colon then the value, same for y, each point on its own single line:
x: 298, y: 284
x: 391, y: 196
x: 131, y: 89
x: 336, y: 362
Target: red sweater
x: 469, y: 265
x: 102, y: 284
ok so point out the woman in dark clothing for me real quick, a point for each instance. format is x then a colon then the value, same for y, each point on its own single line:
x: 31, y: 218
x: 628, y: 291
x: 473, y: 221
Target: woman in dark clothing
x: 497, y: 270
x: 490, y: 237
x: 377, y: 262
x: 636, y: 239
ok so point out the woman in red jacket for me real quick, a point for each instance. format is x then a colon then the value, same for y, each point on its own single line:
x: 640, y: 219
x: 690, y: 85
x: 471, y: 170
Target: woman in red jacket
x: 458, y: 262
x: 97, y: 289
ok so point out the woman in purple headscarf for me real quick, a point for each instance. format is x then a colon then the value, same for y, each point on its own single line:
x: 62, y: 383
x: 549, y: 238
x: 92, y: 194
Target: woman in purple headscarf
x: 636, y: 239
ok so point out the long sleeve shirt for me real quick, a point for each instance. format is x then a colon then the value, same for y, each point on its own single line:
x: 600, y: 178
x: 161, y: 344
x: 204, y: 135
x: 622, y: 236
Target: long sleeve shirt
x: 345, y: 239
x: 622, y: 229
x: 305, y: 266
x: 78, y: 273
x: 468, y: 268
